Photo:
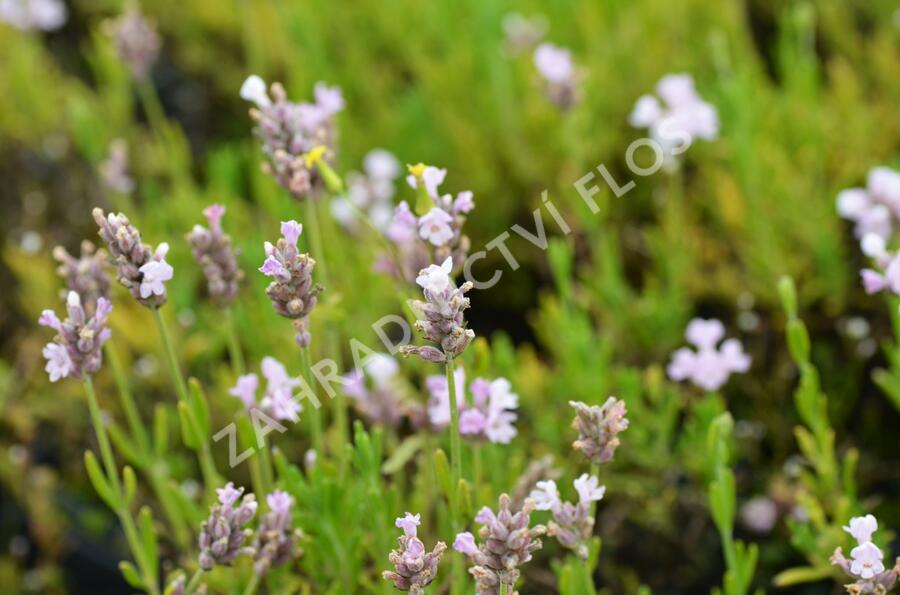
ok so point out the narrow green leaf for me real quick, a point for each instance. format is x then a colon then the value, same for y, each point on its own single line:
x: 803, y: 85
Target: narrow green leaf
x: 99, y: 481
x: 189, y: 433
x: 130, y: 481
x: 403, y: 454
x: 160, y: 430
x: 800, y: 575
x: 131, y: 574
x: 148, y: 536
x: 200, y: 409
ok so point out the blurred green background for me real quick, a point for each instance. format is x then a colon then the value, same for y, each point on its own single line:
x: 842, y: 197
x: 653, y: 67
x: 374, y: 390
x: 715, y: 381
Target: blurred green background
x: 807, y: 95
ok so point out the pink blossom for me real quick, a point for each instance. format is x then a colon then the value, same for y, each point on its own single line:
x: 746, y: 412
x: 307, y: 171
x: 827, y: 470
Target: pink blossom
x: 707, y: 367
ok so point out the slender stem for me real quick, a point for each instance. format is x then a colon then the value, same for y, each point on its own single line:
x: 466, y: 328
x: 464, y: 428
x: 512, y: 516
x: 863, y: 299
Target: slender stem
x: 268, y: 473
x: 455, y: 447
x: 252, y: 585
x: 112, y: 472
x: 503, y: 589
x: 315, y: 416
x: 159, y: 475
x: 171, y: 359
x: 195, y: 580
x: 234, y: 345
x: 125, y: 396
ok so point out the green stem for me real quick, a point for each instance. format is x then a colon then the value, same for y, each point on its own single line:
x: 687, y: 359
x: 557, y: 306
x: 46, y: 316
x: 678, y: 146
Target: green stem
x: 112, y: 472
x: 135, y: 423
x: 234, y: 345
x: 158, y: 478
x: 315, y: 416
x: 503, y: 589
x: 456, y: 474
x: 252, y: 585
x: 195, y: 580
x: 171, y: 360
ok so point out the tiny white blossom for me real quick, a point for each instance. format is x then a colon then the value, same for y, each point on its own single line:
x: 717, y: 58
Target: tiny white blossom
x: 867, y: 560
x: 862, y: 527
x: 546, y: 495
x: 254, y: 89
x: 156, y: 273
x: 434, y: 226
x: 436, y: 278
x: 59, y: 364
x: 588, y: 488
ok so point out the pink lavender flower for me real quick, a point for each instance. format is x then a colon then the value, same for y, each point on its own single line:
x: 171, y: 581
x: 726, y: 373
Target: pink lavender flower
x: 432, y: 236
x: 136, y: 40
x: 369, y: 192
x: 212, y: 250
x: 708, y: 367
x: 142, y: 270
x: 876, y: 208
x: 441, y: 314
x: 30, y: 15
x: 572, y: 524
x: 278, y: 400
x: 76, y: 350
x: 288, y: 131
x: 85, y: 275
x: 598, y: 428
x: 114, y: 169
x: 557, y: 69
x: 276, y: 538
x: 291, y: 291
x: 866, y: 566
x: 681, y: 112
x: 507, y: 541
x: 222, y: 535
x: 491, y: 414
x: 414, y: 568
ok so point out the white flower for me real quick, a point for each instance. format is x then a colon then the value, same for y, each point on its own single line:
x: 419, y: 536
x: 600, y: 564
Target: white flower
x: 381, y: 368
x: 866, y: 560
x: 589, y: 488
x: 59, y: 364
x: 381, y: 165
x: 646, y: 112
x: 499, y: 427
x: 254, y: 89
x: 554, y: 63
x: 546, y: 495
x: 432, y: 176
x: 156, y: 273
x: 436, y: 278
x: 862, y: 527
x: 434, y: 226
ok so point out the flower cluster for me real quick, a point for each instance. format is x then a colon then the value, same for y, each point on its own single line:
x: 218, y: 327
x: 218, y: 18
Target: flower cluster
x: 85, y: 275
x: 29, y: 15
x: 414, y: 568
x: 433, y: 232
x: 139, y: 268
x: 276, y: 536
x: 522, y: 33
x: 375, y: 390
x: 289, y: 131
x: 887, y: 277
x: 136, y: 40
x: 213, y: 252
x: 222, y: 535
x: 598, y: 428
x: 441, y: 314
x: 866, y: 565
x: 76, y: 350
x: 572, y: 524
x: 874, y: 209
x: 279, y: 400
x: 491, y: 414
x: 557, y: 70
x: 369, y: 192
x: 291, y: 291
x: 709, y: 366
x: 507, y: 541
x: 684, y: 116
x: 114, y: 169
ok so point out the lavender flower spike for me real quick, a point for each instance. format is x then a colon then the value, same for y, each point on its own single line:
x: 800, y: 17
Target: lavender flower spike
x: 598, y: 428
x: 441, y: 314
x: 85, y: 275
x: 139, y: 268
x: 136, y: 40
x: 213, y: 252
x: 222, y: 535
x: 76, y: 350
x: 414, y: 568
x: 559, y: 75
x: 572, y: 524
x: 507, y: 543
x: 291, y: 291
x: 276, y: 537
x: 866, y: 566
